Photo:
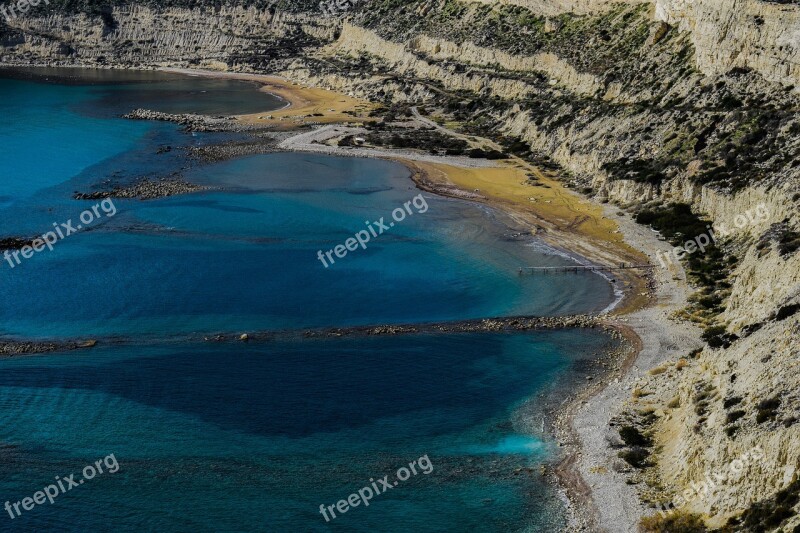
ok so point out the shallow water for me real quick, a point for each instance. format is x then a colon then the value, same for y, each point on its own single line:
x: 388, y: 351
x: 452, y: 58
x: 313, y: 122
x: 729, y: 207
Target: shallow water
x: 254, y: 437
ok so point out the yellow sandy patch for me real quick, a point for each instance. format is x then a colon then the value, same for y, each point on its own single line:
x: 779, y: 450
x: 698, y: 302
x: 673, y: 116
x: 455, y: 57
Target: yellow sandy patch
x: 303, y: 101
x: 508, y: 186
x: 554, y: 213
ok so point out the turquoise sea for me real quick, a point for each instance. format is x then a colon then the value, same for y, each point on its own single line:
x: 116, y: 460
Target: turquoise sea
x: 256, y: 436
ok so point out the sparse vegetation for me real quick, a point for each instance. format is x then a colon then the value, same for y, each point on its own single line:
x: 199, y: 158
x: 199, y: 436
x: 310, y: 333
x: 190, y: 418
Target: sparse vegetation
x: 674, y: 522
x: 767, y: 409
x: 631, y: 436
x: 637, y: 457
x: 732, y: 401
x: 769, y: 514
x: 431, y: 141
x: 709, y: 269
x: 639, y: 170
x: 718, y: 337
x: 733, y: 416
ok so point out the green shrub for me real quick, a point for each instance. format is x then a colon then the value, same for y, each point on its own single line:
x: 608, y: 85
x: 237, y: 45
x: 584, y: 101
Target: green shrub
x: 638, y: 170
x: 730, y: 402
x: 633, y: 437
x: 733, y: 416
x: 674, y: 522
x: 637, y: 457
x: 787, y: 311
x: 769, y: 514
x: 767, y: 409
x: 718, y: 337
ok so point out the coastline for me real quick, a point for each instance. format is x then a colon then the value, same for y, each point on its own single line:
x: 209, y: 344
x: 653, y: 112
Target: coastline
x: 567, y: 223
x: 505, y: 324
x: 562, y: 220
x: 589, y: 475
x: 581, y: 422
x: 599, y: 497
x: 304, y: 105
x: 655, y: 337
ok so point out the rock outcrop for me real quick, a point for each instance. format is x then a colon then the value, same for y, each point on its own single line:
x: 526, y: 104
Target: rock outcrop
x: 763, y: 36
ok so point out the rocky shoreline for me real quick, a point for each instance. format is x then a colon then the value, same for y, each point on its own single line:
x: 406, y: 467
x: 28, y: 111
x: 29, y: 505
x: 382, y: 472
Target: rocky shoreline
x: 190, y: 122
x: 214, y: 153
x: 14, y: 243
x: 487, y: 325
x: 145, y: 189
x: 17, y: 348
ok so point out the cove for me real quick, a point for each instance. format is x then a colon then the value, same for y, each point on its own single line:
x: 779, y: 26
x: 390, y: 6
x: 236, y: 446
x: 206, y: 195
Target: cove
x: 256, y: 436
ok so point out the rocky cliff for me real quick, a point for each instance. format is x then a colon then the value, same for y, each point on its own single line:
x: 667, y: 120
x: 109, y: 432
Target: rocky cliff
x: 760, y: 35
x: 640, y: 104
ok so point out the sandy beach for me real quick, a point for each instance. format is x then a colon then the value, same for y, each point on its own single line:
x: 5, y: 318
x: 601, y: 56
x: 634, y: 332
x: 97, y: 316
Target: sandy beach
x: 603, y: 500
x: 590, y: 472
x: 305, y: 105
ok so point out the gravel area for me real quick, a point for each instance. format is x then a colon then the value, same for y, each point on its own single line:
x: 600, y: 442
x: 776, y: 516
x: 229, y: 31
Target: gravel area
x: 313, y: 141
x: 610, y: 504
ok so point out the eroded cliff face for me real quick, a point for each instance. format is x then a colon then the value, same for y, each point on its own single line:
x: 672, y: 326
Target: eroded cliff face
x: 139, y: 36
x: 716, y: 418
x: 557, y: 7
x: 673, y: 101
x: 760, y: 35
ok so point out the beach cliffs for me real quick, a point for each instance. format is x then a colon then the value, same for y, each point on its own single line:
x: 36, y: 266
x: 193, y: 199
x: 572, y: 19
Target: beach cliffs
x: 639, y: 104
x: 142, y: 36
x: 764, y: 36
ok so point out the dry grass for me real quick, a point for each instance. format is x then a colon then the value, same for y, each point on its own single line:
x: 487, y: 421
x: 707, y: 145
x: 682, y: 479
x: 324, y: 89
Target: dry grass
x: 674, y: 522
x: 674, y: 403
x: 308, y: 101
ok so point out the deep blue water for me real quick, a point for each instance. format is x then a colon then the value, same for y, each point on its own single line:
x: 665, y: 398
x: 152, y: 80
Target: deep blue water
x: 254, y: 437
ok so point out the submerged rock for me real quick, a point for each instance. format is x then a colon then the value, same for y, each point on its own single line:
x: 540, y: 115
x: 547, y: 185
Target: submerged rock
x: 145, y: 189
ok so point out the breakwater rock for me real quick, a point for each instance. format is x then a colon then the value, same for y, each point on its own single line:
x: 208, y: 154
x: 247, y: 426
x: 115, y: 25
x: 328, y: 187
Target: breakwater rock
x: 465, y: 326
x: 189, y: 121
x: 14, y: 243
x: 503, y: 324
x: 15, y: 348
x: 145, y: 189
